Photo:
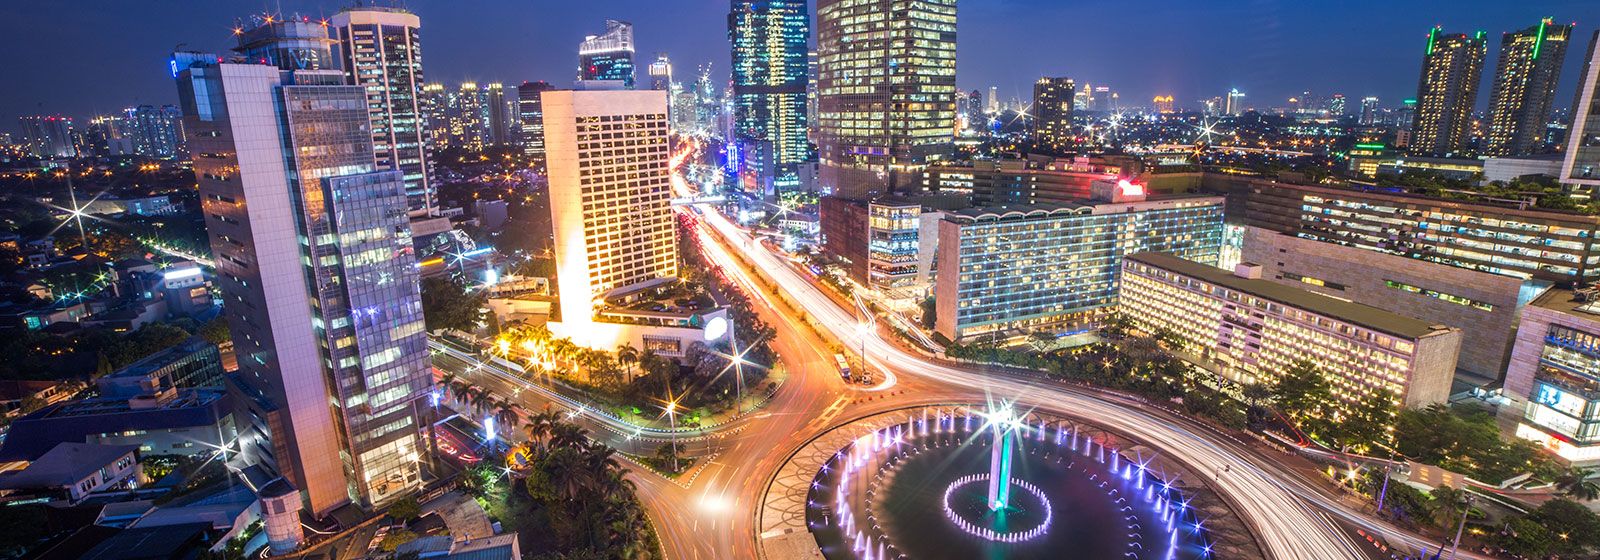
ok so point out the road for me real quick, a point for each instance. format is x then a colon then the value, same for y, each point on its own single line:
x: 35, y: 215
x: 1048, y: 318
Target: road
x: 710, y: 512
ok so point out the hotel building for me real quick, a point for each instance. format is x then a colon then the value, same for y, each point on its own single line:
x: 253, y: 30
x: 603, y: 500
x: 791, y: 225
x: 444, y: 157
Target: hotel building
x: 1554, y: 377
x: 609, y: 195
x: 314, y: 254
x: 1246, y: 330
x: 1013, y: 268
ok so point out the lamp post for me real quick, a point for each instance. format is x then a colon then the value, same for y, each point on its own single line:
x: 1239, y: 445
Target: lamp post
x: 1462, y: 527
x: 672, y: 420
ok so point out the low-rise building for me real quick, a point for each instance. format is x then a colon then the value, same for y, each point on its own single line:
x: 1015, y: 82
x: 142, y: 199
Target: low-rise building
x: 1247, y: 330
x: 171, y: 422
x: 1553, y: 381
x: 192, y: 364
x: 72, y: 472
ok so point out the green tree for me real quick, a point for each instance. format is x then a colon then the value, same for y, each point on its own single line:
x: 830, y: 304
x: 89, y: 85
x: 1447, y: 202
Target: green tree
x: 405, y: 509
x: 1446, y: 505
x: 1301, y: 391
x: 448, y: 305
x: 396, y: 538
x: 1574, y: 527
x: 1578, y: 483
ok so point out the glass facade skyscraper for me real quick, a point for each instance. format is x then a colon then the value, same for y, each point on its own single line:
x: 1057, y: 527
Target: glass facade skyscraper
x: 313, y: 250
x: 530, y: 116
x: 1582, y: 165
x: 609, y: 55
x: 770, y: 58
x: 886, y: 90
x: 1052, y: 111
x: 381, y: 50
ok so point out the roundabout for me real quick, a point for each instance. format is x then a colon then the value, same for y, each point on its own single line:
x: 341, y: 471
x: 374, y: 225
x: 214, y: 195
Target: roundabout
x: 963, y: 482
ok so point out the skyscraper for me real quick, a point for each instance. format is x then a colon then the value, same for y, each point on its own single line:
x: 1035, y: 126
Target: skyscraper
x: 609, y: 55
x: 1524, y: 84
x: 1162, y: 104
x: 467, y: 116
x: 1336, y: 105
x: 769, y: 42
x: 661, y: 73
x: 1052, y: 111
x: 972, y: 111
x: 530, y: 116
x: 610, y: 208
x: 48, y: 136
x: 434, y: 104
x: 1582, y: 164
x: 155, y: 131
x: 1235, y: 103
x: 314, y: 250
x: 501, y: 111
x: 1447, y: 91
x: 381, y: 51
x: 993, y: 105
x: 288, y: 44
x: 887, y: 91
x: 1369, y: 111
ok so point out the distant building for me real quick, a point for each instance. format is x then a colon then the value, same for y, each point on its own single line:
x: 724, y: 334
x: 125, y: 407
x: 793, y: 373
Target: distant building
x: 1582, y: 164
x: 769, y: 41
x: 530, y: 116
x: 661, y: 73
x: 1447, y: 92
x: 1162, y: 104
x: 1235, y: 103
x: 502, y: 110
x: 1052, y: 112
x: 71, y: 472
x: 1010, y: 269
x: 883, y: 118
x: 1249, y: 331
x: 192, y: 364
x: 381, y: 50
x: 1370, y: 111
x: 154, y: 131
x: 608, y: 56
x: 48, y: 136
x: 1507, y: 169
x: 1524, y: 88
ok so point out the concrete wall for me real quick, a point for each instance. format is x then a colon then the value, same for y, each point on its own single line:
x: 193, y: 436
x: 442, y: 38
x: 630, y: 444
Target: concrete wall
x: 1487, y: 335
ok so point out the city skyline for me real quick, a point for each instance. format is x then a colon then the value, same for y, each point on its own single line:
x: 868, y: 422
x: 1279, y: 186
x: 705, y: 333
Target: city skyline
x: 466, y: 44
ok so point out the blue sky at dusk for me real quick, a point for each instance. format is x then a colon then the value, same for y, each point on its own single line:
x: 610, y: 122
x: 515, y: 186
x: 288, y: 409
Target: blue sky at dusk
x: 81, y: 57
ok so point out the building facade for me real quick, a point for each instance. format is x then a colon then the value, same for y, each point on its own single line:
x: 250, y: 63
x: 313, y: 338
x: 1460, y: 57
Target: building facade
x: 1247, y: 330
x: 1447, y: 92
x: 155, y: 132
x: 313, y: 249
x: 1581, y: 165
x: 1554, y: 247
x: 886, y: 90
x: 1014, y: 268
x: 770, y: 41
x: 48, y: 136
x: 530, y: 117
x: 994, y: 183
x: 1524, y: 86
x: 381, y: 50
x: 1484, y: 306
x: 1554, y: 378
x: 609, y: 55
x: 609, y: 195
x: 1052, y: 111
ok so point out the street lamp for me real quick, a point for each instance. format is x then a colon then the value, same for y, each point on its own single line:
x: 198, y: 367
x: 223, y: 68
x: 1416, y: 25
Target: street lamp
x: 1462, y: 527
x: 672, y: 420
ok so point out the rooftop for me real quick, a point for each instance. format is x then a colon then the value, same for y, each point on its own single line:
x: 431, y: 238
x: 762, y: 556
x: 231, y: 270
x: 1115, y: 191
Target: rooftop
x: 1357, y: 314
x: 1082, y: 207
x: 66, y: 464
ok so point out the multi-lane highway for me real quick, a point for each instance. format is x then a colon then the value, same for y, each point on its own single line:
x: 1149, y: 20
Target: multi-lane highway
x: 711, y: 511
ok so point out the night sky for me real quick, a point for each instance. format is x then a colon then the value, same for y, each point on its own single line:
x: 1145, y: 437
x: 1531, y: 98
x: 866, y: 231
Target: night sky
x: 87, y: 56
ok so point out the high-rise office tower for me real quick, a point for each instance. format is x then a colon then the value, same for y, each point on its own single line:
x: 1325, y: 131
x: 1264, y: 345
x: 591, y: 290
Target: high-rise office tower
x: 530, y: 116
x: 1234, y: 103
x: 1369, y: 111
x: 661, y: 73
x: 154, y: 131
x: 609, y: 55
x: 467, y: 116
x: 104, y: 137
x: 1052, y: 111
x: 313, y: 248
x: 501, y: 110
x: 1336, y: 106
x: 972, y: 111
x: 993, y: 105
x: 769, y: 43
x: 609, y: 194
x: 1524, y: 85
x: 887, y: 87
x: 288, y: 44
x: 381, y: 51
x: 48, y: 136
x: 1104, y: 99
x: 1447, y: 92
x: 1582, y: 164
x: 434, y: 105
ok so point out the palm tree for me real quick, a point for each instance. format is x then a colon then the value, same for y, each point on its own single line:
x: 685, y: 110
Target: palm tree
x: 568, y: 435
x: 506, y: 414
x: 1578, y: 483
x: 628, y: 356
x: 540, y: 426
x: 480, y: 400
x: 1446, y: 506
